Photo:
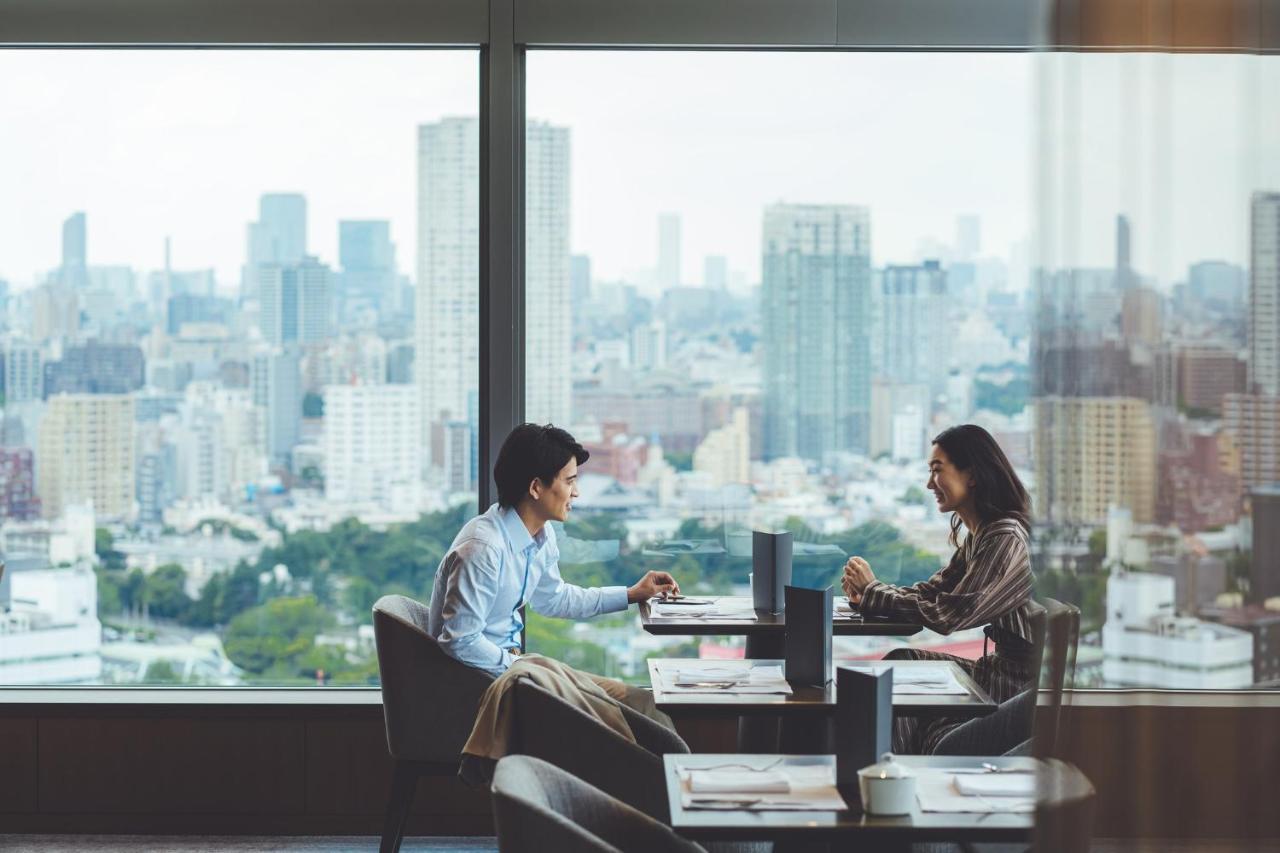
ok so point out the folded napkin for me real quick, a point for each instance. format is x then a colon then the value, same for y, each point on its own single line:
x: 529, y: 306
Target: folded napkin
x: 756, y: 679
x: 922, y: 675
x: 997, y: 784
x: 738, y: 782
x: 714, y: 675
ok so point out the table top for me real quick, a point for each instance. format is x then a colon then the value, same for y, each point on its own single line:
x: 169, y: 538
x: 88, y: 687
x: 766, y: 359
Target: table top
x: 767, y: 623
x: 743, y: 824
x: 976, y: 702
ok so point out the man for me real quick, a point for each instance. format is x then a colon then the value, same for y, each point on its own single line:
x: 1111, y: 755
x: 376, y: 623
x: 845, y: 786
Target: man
x: 507, y: 556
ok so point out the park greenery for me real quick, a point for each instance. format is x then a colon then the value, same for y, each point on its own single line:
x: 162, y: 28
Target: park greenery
x: 290, y: 616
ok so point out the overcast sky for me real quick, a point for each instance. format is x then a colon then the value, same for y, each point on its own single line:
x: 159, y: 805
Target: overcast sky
x: 156, y: 143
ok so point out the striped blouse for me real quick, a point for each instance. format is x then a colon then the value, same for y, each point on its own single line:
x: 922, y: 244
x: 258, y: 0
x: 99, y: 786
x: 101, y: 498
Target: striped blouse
x: 987, y: 581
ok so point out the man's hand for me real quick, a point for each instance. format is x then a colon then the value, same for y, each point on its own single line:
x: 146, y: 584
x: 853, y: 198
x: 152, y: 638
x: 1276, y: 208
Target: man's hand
x: 653, y: 583
x: 857, y: 577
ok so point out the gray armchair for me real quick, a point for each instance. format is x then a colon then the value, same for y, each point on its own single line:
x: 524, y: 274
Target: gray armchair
x: 429, y: 703
x: 539, y: 807
x: 553, y: 730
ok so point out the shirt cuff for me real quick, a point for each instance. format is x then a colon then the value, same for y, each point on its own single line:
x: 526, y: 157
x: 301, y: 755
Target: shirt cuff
x: 613, y: 599
x: 870, y: 596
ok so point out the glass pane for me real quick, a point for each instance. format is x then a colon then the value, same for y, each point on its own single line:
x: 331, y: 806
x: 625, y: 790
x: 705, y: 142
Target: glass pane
x: 1156, y: 364
x: 758, y: 283
x: 225, y: 434
x: 783, y: 274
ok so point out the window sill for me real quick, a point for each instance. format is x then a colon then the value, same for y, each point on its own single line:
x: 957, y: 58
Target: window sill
x: 326, y: 699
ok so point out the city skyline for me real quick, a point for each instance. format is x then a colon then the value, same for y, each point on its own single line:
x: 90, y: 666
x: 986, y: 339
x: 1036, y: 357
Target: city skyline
x: 135, y: 197
x: 184, y: 474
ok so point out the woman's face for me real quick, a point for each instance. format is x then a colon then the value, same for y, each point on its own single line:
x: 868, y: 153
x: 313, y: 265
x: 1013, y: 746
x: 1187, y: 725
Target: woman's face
x: 950, y: 485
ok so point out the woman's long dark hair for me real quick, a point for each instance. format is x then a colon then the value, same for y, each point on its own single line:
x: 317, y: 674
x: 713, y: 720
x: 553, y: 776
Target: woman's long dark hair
x: 997, y: 491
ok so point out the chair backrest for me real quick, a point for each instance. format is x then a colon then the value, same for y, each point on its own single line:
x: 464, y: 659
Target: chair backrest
x: 1062, y: 634
x: 1065, y: 802
x: 429, y: 700
x: 539, y: 807
x: 549, y: 728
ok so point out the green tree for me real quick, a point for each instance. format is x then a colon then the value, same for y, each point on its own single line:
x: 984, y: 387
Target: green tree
x: 1098, y: 543
x: 109, y: 602
x: 104, y: 546
x: 277, y: 636
x: 161, y: 672
x: 165, y: 592
x: 681, y: 461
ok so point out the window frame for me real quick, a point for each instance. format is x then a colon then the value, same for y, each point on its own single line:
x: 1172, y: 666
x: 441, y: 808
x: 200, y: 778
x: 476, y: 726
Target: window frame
x: 504, y: 31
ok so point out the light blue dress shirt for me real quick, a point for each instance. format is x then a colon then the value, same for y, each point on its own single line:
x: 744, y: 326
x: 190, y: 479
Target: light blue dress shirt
x: 493, y: 567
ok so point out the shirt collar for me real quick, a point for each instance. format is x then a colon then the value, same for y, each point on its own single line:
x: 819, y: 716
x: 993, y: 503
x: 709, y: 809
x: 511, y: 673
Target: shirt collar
x: 518, y: 534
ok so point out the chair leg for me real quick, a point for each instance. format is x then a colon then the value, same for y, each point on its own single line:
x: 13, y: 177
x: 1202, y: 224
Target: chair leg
x: 404, y: 783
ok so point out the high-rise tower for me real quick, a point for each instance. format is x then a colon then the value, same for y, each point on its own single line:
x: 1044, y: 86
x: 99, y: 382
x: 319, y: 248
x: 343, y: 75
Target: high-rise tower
x: 816, y: 305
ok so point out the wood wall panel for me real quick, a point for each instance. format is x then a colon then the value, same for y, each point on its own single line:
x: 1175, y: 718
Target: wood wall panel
x: 1160, y: 772
x: 1162, y: 24
x: 179, y: 766
x: 1180, y: 772
x: 349, y: 773
x: 18, y: 762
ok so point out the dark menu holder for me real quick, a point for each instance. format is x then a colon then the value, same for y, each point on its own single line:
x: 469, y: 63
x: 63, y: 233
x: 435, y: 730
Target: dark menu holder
x: 863, y: 722
x: 770, y: 570
x: 808, y: 635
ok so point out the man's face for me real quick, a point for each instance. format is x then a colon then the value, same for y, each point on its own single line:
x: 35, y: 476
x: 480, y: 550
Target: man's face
x: 554, y: 502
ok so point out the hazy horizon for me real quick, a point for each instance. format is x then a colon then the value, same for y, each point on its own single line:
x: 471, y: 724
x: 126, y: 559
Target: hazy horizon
x: 181, y: 144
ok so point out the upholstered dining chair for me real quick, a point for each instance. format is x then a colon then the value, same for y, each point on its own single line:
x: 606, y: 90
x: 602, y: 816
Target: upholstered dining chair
x: 429, y: 703
x: 539, y: 807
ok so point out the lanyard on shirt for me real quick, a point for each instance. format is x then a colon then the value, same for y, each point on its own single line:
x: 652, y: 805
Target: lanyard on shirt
x: 524, y: 585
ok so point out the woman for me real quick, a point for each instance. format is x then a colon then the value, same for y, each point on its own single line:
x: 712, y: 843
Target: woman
x: 987, y: 582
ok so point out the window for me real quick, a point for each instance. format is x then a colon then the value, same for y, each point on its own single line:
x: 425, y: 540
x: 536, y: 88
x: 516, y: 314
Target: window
x: 782, y: 274
x: 1154, y: 371
x: 225, y: 434
x: 757, y: 285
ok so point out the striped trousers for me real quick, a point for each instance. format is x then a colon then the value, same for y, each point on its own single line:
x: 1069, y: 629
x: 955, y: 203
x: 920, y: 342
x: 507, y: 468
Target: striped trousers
x: 1002, y: 677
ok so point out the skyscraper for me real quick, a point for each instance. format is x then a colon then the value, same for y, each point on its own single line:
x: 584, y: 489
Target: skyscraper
x: 1264, y: 295
x: 278, y: 237
x: 579, y: 278
x: 23, y: 372
x: 296, y: 302
x: 275, y: 380
x: 668, y: 250
x: 368, y: 259
x: 1124, y: 261
x: 715, y: 272
x: 85, y: 454
x: 1092, y: 453
x: 1264, y: 575
x: 816, y: 305
x: 446, y: 352
x: 911, y: 301
x: 968, y: 236
x: 75, y: 243
x: 548, y: 317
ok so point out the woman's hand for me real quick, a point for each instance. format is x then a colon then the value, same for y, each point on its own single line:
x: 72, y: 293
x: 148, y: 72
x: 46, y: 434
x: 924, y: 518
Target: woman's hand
x: 857, y: 577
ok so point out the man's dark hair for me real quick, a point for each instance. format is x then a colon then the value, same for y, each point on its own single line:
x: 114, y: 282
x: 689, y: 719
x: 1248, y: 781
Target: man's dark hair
x: 533, y: 450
